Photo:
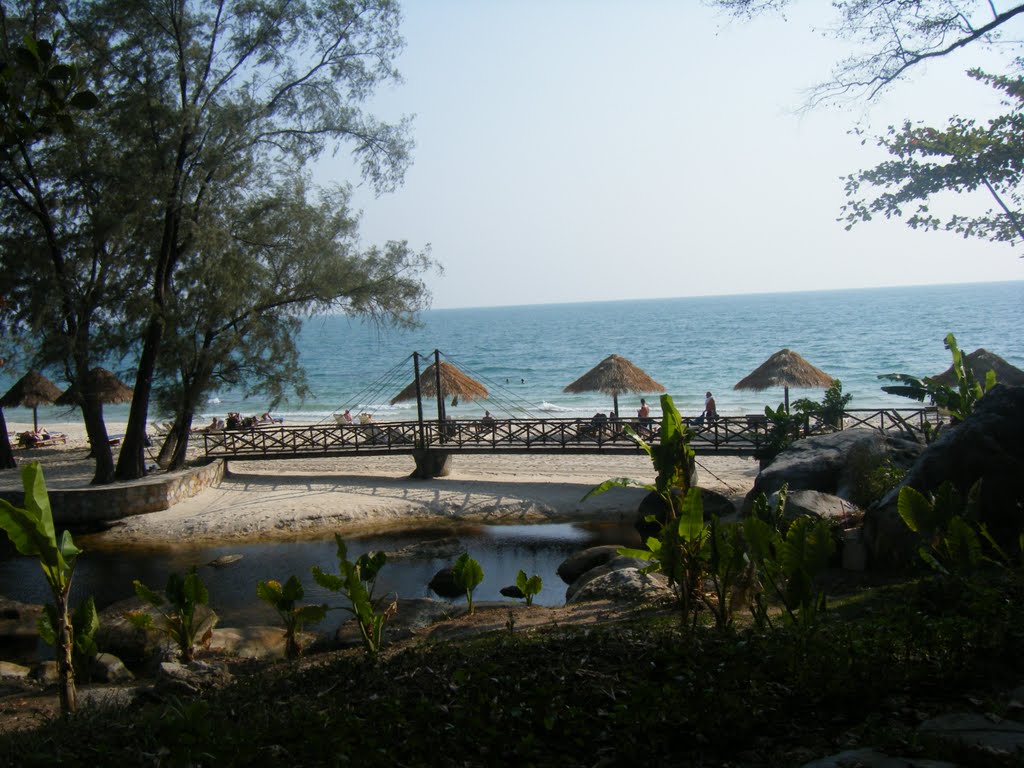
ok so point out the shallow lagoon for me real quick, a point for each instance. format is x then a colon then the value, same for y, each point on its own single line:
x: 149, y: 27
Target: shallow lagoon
x: 501, y: 549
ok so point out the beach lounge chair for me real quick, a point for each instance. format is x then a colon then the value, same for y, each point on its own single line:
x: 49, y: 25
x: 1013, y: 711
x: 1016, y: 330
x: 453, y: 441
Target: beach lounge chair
x: 41, y: 439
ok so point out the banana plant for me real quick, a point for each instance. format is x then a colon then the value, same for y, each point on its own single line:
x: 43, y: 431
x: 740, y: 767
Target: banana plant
x: 959, y: 400
x: 357, y: 580
x: 944, y: 520
x: 184, y: 615
x: 285, y: 600
x: 32, y: 533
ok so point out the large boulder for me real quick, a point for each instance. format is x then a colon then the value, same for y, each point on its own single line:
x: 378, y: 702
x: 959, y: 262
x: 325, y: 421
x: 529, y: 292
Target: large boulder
x: 580, y: 562
x: 823, y: 506
x: 987, y: 446
x: 829, y: 463
x: 618, y: 563
x: 626, y: 585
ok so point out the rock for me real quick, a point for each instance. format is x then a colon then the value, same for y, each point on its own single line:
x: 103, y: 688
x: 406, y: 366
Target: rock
x: 107, y: 668
x: 194, y: 677
x: 823, y: 506
x: 223, y: 560
x: 618, y: 563
x: 45, y: 673
x: 512, y: 591
x: 986, y: 446
x: 107, y: 696
x: 983, y: 737
x: 869, y: 758
x: 18, y: 620
x: 443, y: 583
x: 828, y: 463
x: 624, y: 584
x: 254, y: 642
x: 435, y: 549
x: 580, y: 562
x: 11, y: 671
x: 134, y: 646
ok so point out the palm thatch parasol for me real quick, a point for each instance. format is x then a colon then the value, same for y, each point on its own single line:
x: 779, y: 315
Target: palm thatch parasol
x: 981, y: 361
x: 453, y: 382
x: 30, y: 391
x: 614, y: 375
x: 106, y: 385
x: 785, y: 369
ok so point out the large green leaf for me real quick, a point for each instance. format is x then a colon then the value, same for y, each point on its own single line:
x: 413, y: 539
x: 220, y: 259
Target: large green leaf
x: 328, y: 580
x: 293, y: 591
x: 147, y: 594
x: 269, y: 592
x: 916, y: 510
x: 467, y: 572
x: 616, y: 482
x: 30, y: 529
x: 194, y: 590
x: 691, y: 517
x: 309, y: 614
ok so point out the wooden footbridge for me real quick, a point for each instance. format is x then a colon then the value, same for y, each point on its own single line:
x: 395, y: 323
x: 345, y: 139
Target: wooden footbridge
x: 726, y: 435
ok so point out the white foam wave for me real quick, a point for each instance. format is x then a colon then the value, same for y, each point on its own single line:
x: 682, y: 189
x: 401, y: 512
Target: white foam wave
x: 552, y: 408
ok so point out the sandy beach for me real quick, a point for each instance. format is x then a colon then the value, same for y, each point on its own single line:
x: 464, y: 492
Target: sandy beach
x: 261, y: 500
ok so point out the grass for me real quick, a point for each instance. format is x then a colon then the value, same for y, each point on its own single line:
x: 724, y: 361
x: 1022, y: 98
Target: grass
x: 637, y: 691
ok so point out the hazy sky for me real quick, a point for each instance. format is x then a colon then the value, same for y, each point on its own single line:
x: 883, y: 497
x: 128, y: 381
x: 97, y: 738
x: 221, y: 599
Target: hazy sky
x: 583, y: 150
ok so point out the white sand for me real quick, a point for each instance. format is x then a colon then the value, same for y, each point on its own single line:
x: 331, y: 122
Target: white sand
x: 301, y: 497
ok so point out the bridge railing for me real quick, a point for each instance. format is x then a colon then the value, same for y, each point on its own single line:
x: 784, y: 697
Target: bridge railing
x: 730, y: 434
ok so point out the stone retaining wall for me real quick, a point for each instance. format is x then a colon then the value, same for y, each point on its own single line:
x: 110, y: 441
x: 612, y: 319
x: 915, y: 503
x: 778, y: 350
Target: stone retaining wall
x: 83, y: 506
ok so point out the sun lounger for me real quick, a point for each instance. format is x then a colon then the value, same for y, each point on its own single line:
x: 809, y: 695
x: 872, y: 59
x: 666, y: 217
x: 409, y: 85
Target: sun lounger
x: 33, y: 440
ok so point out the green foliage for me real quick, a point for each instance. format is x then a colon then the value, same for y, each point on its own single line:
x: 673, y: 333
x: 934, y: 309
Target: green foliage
x: 356, y: 580
x: 873, y: 476
x: 32, y: 533
x: 38, y: 94
x: 831, y: 408
x: 959, y: 400
x: 184, y: 615
x: 468, y: 575
x: 285, y: 600
x: 783, y: 428
x: 962, y: 157
x: 530, y: 587
x: 788, y: 562
x: 85, y: 622
x: 947, y: 521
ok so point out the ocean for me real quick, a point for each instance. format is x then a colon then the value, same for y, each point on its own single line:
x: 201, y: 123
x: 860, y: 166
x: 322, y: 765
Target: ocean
x: 526, y: 355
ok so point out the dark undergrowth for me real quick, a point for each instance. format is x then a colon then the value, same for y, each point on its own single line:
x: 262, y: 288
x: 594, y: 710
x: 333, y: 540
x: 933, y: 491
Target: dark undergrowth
x: 641, y: 691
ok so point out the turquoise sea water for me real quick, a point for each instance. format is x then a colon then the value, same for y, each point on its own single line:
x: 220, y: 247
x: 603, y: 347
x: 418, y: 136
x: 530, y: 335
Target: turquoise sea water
x: 526, y: 355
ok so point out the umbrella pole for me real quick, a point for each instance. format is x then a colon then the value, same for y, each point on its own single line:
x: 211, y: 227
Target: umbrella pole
x: 419, y: 397
x: 440, y: 394
x: 35, y: 418
x: 615, y: 402
x: 787, y: 398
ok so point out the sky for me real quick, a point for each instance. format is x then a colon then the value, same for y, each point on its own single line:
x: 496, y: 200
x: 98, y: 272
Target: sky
x: 590, y: 150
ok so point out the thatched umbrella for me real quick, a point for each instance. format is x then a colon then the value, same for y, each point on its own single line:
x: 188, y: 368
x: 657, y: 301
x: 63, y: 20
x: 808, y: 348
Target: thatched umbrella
x: 785, y: 369
x: 614, y: 375
x: 30, y: 391
x: 981, y: 361
x: 453, y: 382
x: 106, y: 385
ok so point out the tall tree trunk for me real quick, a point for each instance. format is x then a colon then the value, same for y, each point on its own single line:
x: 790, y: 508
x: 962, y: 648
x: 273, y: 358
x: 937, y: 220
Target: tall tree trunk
x: 131, y: 464
x: 184, y: 432
x: 163, y: 459
x: 6, y: 452
x: 96, y: 429
x: 65, y: 660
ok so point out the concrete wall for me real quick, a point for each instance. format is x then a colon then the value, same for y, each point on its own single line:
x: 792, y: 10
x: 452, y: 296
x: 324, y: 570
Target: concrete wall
x: 82, y: 506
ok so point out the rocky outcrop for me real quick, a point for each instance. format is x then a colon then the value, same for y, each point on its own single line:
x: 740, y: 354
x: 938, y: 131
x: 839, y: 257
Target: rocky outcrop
x: 830, y: 463
x: 715, y: 505
x: 192, y: 678
x: 823, y: 506
x: 411, y: 616
x: 987, y: 446
x: 443, y: 583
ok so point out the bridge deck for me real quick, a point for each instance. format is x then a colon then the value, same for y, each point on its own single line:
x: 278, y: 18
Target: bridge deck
x: 726, y: 435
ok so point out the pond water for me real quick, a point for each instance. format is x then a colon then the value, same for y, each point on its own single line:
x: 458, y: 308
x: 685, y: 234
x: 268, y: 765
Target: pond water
x: 501, y: 551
